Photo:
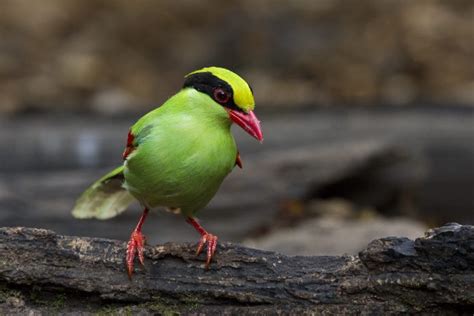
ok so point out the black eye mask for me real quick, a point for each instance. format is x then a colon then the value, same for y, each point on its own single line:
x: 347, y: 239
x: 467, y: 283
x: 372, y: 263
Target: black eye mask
x: 207, y: 83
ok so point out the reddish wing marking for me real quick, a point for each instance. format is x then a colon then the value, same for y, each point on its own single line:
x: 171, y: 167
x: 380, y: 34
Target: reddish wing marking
x: 238, y: 161
x: 130, y: 147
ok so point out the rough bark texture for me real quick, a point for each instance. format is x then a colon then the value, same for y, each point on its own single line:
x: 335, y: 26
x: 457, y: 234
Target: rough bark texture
x: 44, y: 272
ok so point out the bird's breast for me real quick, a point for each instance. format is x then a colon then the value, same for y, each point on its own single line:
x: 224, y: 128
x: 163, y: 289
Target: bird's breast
x: 180, y: 166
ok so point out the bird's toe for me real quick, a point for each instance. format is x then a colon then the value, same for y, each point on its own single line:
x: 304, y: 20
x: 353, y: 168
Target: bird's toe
x: 135, y: 245
x: 211, y: 248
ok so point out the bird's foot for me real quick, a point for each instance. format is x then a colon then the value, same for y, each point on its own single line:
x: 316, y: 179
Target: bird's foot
x: 211, y: 241
x: 136, y: 245
x: 206, y: 239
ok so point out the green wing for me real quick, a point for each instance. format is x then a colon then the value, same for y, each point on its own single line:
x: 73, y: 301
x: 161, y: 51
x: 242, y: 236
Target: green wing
x: 104, y: 199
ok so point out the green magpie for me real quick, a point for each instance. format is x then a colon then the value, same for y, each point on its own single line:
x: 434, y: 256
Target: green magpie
x: 177, y: 156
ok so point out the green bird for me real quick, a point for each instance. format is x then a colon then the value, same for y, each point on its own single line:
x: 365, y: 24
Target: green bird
x: 177, y: 156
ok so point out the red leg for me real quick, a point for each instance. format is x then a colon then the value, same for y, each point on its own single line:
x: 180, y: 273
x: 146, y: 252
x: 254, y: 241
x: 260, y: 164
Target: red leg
x: 136, y: 245
x: 206, y: 238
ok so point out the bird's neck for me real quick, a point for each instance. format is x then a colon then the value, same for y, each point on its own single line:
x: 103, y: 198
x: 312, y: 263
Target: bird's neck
x: 200, y: 107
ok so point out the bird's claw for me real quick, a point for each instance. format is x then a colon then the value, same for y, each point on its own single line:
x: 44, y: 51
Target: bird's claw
x: 135, y: 246
x: 211, y: 241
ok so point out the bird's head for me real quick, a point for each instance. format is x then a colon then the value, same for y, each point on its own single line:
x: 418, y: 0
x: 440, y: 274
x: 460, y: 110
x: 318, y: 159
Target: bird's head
x: 232, y: 92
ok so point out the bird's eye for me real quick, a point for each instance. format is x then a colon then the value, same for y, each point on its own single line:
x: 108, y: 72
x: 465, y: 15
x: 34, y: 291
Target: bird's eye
x: 221, y: 96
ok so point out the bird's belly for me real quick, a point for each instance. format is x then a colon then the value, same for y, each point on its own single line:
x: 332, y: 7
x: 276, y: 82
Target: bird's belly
x: 186, y: 177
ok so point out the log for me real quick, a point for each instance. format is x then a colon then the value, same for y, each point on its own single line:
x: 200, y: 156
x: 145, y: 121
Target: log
x: 43, y: 272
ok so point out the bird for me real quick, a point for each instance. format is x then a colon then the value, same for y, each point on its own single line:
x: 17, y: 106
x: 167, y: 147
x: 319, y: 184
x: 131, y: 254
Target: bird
x: 176, y: 157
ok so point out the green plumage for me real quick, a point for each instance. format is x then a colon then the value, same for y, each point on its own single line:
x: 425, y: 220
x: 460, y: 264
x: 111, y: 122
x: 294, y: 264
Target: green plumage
x: 104, y: 199
x: 182, y: 152
x: 177, y: 156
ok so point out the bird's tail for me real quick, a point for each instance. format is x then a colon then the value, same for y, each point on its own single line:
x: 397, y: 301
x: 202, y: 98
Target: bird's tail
x: 105, y: 198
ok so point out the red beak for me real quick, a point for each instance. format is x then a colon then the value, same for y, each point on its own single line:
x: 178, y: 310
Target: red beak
x: 248, y: 121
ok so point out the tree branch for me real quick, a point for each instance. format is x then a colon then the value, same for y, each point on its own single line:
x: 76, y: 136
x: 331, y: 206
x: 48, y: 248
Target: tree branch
x: 431, y: 274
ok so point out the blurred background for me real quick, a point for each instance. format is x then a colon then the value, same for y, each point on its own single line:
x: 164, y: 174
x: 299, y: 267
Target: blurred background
x: 366, y: 107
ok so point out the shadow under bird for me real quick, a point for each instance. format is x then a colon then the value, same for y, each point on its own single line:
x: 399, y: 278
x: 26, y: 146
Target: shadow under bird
x: 177, y: 156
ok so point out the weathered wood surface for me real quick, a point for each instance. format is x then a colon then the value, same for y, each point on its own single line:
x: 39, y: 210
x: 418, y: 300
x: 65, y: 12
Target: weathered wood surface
x: 43, y: 272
